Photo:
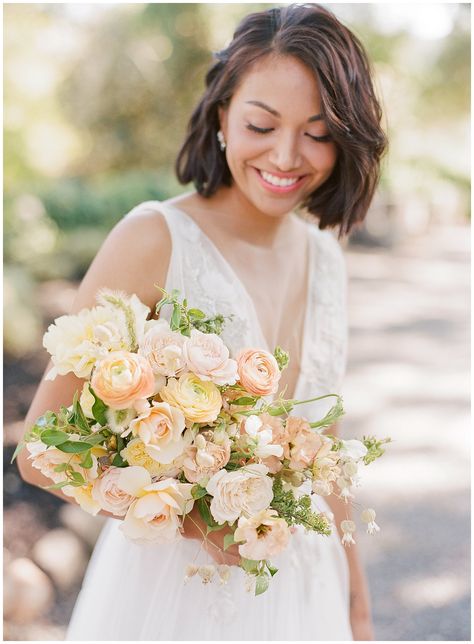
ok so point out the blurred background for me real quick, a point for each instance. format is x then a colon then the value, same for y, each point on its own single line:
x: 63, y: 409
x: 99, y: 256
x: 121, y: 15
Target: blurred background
x: 97, y: 98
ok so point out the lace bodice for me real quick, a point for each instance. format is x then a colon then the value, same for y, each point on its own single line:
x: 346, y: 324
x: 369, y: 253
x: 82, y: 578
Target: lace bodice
x: 203, y: 275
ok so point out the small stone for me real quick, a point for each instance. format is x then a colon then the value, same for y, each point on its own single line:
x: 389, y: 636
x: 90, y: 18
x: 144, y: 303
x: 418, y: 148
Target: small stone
x: 27, y: 591
x: 62, y: 555
x: 84, y: 525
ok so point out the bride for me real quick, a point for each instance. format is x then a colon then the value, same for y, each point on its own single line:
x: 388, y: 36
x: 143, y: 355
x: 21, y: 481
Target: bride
x: 288, y: 121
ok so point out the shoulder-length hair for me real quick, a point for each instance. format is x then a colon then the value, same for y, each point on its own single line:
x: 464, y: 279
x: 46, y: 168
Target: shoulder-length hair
x: 349, y: 106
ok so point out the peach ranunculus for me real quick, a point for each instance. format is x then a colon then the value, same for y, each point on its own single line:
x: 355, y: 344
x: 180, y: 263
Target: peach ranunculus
x: 204, y: 458
x: 242, y: 492
x: 207, y: 356
x: 200, y: 401
x: 259, y: 372
x: 121, y: 378
x: 161, y: 429
x: 163, y: 348
x: 155, y: 514
x: 135, y: 454
x: 265, y: 535
x: 108, y: 495
x: 304, y: 444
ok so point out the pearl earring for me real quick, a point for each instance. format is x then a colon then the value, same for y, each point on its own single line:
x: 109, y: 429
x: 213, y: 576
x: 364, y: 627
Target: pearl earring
x: 221, y: 139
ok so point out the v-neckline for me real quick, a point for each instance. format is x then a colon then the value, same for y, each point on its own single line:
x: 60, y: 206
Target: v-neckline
x: 238, y: 281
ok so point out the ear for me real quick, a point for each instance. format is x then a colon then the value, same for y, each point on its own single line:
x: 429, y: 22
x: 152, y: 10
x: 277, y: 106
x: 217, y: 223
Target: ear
x: 223, y: 115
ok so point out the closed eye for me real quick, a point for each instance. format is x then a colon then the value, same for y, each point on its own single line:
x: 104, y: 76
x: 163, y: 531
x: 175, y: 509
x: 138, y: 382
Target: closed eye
x: 265, y: 130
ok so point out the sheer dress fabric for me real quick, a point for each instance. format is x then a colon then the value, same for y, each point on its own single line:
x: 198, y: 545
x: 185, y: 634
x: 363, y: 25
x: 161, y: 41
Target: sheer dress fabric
x: 137, y: 592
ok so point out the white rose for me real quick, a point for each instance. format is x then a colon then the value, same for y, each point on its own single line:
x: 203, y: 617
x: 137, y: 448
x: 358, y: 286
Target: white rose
x: 154, y: 516
x: 108, y: 495
x: 207, y: 356
x: 241, y: 492
x: 162, y: 348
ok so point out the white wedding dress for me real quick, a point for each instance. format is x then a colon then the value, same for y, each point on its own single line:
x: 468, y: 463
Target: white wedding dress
x: 137, y: 592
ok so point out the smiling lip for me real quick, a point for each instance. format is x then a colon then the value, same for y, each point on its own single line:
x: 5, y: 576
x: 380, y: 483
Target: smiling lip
x: 280, y: 189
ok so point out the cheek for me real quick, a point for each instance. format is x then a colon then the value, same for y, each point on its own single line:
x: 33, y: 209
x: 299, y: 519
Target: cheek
x: 324, y: 159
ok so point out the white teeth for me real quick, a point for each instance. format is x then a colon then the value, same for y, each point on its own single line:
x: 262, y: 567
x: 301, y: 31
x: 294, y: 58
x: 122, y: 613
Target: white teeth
x: 276, y: 181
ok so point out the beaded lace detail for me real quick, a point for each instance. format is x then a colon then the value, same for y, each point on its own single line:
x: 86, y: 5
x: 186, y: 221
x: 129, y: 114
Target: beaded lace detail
x: 208, y: 282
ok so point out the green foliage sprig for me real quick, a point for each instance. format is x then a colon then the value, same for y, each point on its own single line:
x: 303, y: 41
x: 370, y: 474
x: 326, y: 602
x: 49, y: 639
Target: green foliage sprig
x: 184, y: 319
x: 297, y: 511
x: 374, y: 448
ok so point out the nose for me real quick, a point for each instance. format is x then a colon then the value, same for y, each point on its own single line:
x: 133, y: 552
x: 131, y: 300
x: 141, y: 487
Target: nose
x: 285, y: 155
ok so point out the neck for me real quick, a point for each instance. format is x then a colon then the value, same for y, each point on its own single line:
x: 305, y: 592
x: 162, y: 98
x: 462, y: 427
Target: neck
x: 239, y: 218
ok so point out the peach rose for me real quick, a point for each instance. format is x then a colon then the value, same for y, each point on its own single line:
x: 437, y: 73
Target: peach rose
x: 204, y: 459
x: 155, y: 514
x: 208, y: 357
x: 108, y: 495
x: 121, y: 378
x: 265, y: 535
x: 258, y: 371
x: 161, y: 428
x: 199, y: 401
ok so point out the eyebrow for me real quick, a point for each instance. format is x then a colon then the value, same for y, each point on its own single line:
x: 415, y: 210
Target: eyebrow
x: 316, y: 117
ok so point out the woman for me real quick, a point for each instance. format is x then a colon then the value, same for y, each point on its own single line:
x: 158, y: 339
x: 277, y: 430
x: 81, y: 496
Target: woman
x: 288, y: 120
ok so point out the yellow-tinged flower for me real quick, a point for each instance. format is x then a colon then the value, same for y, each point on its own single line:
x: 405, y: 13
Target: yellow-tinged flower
x: 135, y: 454
x: 199, y: 401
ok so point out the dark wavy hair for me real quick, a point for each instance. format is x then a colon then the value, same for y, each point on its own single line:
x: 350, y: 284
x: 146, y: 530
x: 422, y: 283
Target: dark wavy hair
x: 349, y: 105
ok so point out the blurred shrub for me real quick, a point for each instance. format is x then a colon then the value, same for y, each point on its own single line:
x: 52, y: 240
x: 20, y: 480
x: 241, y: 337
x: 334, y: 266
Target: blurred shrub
x: 22, y: 320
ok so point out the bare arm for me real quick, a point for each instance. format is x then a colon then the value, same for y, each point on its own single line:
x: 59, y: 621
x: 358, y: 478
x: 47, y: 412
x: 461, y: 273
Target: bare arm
x: 134, y: 256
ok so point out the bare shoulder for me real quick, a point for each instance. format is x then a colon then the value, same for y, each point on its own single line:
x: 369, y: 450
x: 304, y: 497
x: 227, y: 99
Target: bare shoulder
x: 133, y: 258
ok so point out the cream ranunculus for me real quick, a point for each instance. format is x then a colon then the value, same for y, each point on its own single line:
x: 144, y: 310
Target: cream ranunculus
x: 259, y: 372
x: 121, y: 378
x: 76, y: 342
x: 130, y: 310
x: 199, y: 401
x: 163, y: 348
x: 161, y: 429
x: 207, y: 356
x: 155, y: 515
x: 135, y: 454
x: 243, y: 492
x: 108, y: 495
x: 265, y: 535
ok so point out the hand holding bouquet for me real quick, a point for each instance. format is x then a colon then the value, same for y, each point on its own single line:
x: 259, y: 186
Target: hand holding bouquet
x: 167, y: 420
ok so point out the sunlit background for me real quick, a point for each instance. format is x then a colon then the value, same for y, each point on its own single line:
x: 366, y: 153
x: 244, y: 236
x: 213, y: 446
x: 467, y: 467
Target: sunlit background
x: 97, y: 98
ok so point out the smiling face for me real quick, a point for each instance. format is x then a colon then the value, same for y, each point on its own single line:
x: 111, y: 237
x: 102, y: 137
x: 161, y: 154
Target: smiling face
x: 278, y: 148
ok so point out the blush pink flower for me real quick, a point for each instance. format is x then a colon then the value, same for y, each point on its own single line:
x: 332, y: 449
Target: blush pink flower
x: 207, y: 356
x: 304, y: 443
x: 204, y: 459
x: 259, y: 372
x: 121, y: 378
x: 265, y: 535
x: 108, y: 495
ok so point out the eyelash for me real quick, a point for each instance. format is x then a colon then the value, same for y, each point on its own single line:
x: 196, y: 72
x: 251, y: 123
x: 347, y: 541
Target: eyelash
x: 265, y: 130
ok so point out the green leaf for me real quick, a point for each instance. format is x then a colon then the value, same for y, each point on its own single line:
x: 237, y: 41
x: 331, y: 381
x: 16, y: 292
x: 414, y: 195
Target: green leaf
x: 249, y: 565
x: 56, y: 486
x: 205, y: 513
x: 118, y: 461
x: 262, y: 583
x: 62, y: 467
x: 197, y: 492
x: 74, y: 447
x: 18, y: 449
x: 271, y: 569
x: 196, y: 314
x: 244, y: 400
x: 77, y: 478
x: 229, y: 540
x: 53, y: 437
x: 80, y: 419
x: 98, y: 409
x: 214, y: 528
x: 175, y: 318
x: 96, y: 439
x: 87, y: 461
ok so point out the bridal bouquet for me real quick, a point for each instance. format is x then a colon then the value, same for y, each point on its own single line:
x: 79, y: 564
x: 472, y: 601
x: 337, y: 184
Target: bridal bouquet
x: 167, y: 419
